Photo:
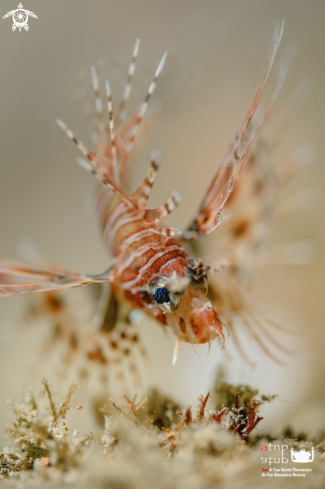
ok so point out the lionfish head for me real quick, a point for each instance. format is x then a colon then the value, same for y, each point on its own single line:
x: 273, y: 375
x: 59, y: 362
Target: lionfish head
x: 180, y: 291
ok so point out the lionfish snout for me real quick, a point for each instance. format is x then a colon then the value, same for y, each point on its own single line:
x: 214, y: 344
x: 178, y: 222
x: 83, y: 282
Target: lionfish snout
x: 195, y: 321
x: 203, y: 323
x: 182, y: 297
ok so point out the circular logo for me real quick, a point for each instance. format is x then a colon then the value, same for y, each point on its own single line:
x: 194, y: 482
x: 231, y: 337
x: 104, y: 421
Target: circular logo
x: 20, y: 18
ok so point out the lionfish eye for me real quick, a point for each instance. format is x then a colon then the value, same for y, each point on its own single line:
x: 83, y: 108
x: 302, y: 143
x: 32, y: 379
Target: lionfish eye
x: 161, y: 295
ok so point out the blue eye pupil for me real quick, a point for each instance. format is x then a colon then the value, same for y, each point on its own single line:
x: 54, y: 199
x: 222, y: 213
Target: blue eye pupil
x: 162, y: 295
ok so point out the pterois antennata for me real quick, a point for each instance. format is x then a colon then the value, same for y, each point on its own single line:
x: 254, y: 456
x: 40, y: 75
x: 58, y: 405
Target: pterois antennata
x: 153, y: 269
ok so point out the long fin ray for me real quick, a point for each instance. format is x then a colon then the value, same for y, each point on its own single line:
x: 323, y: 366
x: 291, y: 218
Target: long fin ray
x: 141, y: 195
x: 17, y: 278
x: 98, y: 162
x: 143, y: 107
x: 210, y: 214
x: 120, y: 114
x: 155, y: 216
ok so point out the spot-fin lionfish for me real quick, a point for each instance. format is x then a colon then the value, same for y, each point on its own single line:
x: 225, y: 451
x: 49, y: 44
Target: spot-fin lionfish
x: 152, y: 269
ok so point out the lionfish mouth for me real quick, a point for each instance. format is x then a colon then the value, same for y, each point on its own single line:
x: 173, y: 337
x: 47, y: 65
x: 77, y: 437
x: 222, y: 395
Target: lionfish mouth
x: 195, y: 320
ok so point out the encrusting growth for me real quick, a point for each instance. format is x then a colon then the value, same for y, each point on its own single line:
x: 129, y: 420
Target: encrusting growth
x: 152, y: 438
x: 43, y: 439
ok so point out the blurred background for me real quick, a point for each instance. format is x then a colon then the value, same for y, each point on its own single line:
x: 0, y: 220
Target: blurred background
x: 216, y: 51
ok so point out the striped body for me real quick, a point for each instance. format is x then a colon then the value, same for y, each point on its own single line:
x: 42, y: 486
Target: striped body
x: 149, y: 258
x: 142, y: 255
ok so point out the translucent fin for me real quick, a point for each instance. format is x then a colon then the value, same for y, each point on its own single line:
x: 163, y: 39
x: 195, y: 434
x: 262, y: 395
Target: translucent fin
x: 216, y: 267
x: 141, y: 195
x: 98, y: 103
x: 111, y: 313
x: 98, y: 162
x: 28, y: 252
x: 86, y: 165
x: 120, y: 114
x: 210, y: 214
x: 17, y: 278
x: 112, y: 128
x: 176, y: 350
x: 154, y: 216
x: 144, y: 105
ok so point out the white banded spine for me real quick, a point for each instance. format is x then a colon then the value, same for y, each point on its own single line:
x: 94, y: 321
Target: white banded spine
x: 144, y: 105
x: 111, y: 128
x: 120, y: 115
x: 98, y: 102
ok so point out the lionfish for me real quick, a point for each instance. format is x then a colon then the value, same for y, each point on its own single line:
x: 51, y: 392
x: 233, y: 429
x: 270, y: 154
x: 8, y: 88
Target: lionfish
x: 155, y: 268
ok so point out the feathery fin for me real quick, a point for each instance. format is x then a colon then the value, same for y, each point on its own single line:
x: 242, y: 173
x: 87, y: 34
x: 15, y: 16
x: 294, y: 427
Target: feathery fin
x: 17, y: 278
x: 141, y: 195
x: 210, y: 214
x: 97, y: 162
x: 154, y: 216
